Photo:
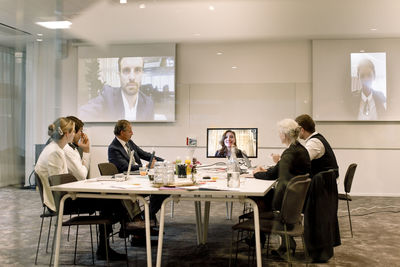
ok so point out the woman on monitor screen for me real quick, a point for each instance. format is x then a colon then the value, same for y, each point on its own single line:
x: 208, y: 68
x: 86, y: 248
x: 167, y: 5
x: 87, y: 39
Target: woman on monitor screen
x: 228, y: 143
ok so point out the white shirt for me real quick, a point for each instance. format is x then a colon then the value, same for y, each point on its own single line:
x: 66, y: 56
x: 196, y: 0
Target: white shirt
x: 367, y: 109
x: 315, y: 147
x: 130, y: 113
x: 51, y: 162
x: 76, y: 166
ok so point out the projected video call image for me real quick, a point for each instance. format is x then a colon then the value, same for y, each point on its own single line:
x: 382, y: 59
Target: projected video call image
x: 131, y: 88
x: 221, y: 141
x: 368, y: 86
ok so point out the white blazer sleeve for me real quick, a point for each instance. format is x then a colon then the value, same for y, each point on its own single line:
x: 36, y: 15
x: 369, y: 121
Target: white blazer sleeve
x: 76, y: 166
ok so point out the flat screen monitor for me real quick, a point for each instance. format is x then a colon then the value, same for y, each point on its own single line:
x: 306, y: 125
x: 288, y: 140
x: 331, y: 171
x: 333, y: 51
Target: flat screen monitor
x: 219, y: 139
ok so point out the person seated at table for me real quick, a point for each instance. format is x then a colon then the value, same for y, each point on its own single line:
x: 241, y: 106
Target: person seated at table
x: 228, y: 145
x: 52, y: 161
x: 294, y: 161
x: 118, y: 154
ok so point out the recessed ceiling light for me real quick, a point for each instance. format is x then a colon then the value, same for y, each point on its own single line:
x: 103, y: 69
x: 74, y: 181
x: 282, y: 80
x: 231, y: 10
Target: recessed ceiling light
x: 196, y: 34
x: 55, y: 24
x: 219, y: 53
x: 123, y: 1
x: 39, y: 40
x: 373, y: 29
x: 362, y: 51
x: 142, y: 6
x: 212, y: 8
x: 234, y: 67
x: 40, y: 34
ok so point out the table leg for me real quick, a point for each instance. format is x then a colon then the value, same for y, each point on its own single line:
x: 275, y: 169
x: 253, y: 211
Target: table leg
x: 147, y: 223
x: 161, y: 231
x: 256, y: 230
x: 206, y: 221
x: 59, y: 226
x: 199, y: 224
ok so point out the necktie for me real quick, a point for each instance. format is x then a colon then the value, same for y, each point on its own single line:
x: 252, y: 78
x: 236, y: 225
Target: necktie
x: 128, y: 149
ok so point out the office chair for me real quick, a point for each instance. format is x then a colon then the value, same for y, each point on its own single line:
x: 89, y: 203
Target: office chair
x: 47, y: 213
x: 278, y: 222
x: 79, y: 220
x: 348, y: 180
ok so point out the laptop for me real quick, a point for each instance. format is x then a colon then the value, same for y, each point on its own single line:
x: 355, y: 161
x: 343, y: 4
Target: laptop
x: 129, y: 165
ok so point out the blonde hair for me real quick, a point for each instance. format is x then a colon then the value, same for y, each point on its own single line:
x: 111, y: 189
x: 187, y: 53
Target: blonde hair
x: 290, y: 129
x: 59, y: 127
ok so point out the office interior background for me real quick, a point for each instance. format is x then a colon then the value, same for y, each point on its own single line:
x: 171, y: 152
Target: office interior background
x: 238, y: 64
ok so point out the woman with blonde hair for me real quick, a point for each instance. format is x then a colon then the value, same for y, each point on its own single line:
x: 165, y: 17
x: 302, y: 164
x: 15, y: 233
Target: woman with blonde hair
x: 52, y: 161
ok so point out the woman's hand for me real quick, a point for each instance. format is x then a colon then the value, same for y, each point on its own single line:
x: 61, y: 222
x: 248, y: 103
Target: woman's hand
x: 259, y: 169
x: 275, y: 157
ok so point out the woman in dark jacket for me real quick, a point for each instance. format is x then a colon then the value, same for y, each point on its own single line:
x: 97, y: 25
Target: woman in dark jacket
x: 294, y: 161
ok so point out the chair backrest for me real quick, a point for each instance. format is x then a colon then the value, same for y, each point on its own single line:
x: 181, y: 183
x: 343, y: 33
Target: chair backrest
x: 60, y: 179
x: 40, y: 187
x: 348, y: 179
x: 299, y: 178
x: 107, y: 168
x: 293, y: 201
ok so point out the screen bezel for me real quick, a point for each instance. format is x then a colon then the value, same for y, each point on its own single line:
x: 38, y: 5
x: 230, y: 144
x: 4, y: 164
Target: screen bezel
x: 233, y: 129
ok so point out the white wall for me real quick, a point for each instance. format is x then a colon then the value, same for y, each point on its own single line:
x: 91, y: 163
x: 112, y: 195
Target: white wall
x: 272, y: 81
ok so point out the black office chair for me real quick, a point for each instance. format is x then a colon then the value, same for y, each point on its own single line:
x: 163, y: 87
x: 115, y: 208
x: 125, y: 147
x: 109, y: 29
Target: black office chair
x: 290, y: 215
x: 348, y: 181
x: 107, y: 168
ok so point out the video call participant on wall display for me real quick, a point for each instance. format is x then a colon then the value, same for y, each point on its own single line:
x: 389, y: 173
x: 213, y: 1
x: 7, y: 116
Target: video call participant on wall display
x: 127, y: 102
x: 368, y: 104
x: 228, y: 145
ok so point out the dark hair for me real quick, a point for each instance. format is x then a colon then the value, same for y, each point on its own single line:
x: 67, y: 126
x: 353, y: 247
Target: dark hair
x: 120, y: 126
x: 119, y: 62
x: 306, y: 122
x: 78, y: 123
x: 224, y: 149
x: 59, y: 127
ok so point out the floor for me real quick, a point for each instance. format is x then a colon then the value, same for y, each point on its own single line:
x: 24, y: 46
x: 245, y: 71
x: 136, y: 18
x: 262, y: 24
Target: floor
x: 376, y: 240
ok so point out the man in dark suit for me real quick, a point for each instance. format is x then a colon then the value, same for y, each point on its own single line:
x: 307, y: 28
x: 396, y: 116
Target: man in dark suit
x: 128, y: 101
x: 118, y: 154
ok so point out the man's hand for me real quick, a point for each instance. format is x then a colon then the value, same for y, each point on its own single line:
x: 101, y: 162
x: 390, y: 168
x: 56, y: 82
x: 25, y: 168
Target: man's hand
x: 275, y: 157
x: 259, y: 169
x: 152, y: 164
x: 84, y: 143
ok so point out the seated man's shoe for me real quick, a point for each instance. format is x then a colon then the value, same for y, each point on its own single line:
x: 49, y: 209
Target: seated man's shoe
x: 112, y: 255
x: 140, y: 241
x: 139, y: 227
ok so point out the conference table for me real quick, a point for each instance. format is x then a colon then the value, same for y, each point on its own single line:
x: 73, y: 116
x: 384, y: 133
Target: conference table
x: 213, y: 189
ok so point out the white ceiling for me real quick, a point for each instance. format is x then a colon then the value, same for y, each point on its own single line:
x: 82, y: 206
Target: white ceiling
x: 107, y: 21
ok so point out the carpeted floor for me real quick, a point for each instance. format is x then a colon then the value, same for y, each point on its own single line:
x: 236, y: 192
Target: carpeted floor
x: 376, y: 240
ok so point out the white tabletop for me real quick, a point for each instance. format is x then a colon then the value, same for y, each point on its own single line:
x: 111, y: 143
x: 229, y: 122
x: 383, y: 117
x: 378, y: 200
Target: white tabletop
x: 136, y: 184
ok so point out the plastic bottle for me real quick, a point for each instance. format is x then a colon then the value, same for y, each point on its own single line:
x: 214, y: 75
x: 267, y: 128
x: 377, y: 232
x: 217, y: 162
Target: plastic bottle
x: 188, y: 167
x: 177, y: 162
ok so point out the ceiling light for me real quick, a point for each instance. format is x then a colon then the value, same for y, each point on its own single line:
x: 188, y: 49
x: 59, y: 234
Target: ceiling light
x: 373, y: 29
x: 40, y: 34
x: 219, y: 53
x: 55, y: 24
x: 362, y: 51
x: 234, y: 67
x: 123, y: 1
x: 39, y: 40
x: 142, y: 6
x: 212, y: 8
x: 196, y: 34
